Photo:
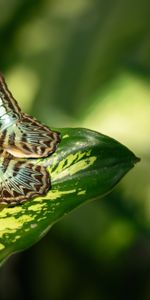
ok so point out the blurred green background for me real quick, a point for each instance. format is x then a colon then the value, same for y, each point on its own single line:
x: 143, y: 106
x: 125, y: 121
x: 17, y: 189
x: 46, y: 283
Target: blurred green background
x: 85, y: 63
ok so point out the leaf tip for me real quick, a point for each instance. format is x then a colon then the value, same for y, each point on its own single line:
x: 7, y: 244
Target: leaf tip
x: 136, y: 160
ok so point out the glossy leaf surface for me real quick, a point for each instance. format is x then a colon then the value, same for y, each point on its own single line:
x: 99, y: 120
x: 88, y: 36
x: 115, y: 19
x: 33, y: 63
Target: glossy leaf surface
x: 86, y: 166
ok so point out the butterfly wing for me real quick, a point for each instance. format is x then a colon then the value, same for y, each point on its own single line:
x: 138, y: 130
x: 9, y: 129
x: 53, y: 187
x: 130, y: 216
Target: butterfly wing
x: 8, y: 105
x: 22, y: 136
x: 21, y: 180
x: 30, y: 138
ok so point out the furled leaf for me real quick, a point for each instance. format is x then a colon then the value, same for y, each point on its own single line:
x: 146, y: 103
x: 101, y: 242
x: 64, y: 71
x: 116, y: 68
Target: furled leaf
x: 86, y: 166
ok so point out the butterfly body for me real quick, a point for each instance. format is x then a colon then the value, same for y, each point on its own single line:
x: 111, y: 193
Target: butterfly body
x: 22, y: 136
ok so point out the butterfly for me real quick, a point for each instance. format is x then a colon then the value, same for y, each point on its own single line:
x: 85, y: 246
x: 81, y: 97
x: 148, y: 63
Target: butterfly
x: 22, y: 137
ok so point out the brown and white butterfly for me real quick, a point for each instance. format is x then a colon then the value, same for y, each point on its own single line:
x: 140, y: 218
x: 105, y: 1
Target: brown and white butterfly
x: 22, y: 136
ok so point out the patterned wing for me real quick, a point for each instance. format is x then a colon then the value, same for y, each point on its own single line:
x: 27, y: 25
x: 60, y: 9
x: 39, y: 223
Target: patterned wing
x: 9, y: 109
x: 20, y: 134
x: 29, y: 138
x: 21, y: 180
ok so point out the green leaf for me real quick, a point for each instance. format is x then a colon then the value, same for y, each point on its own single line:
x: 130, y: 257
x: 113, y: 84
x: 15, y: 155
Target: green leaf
x: 86, y: 166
